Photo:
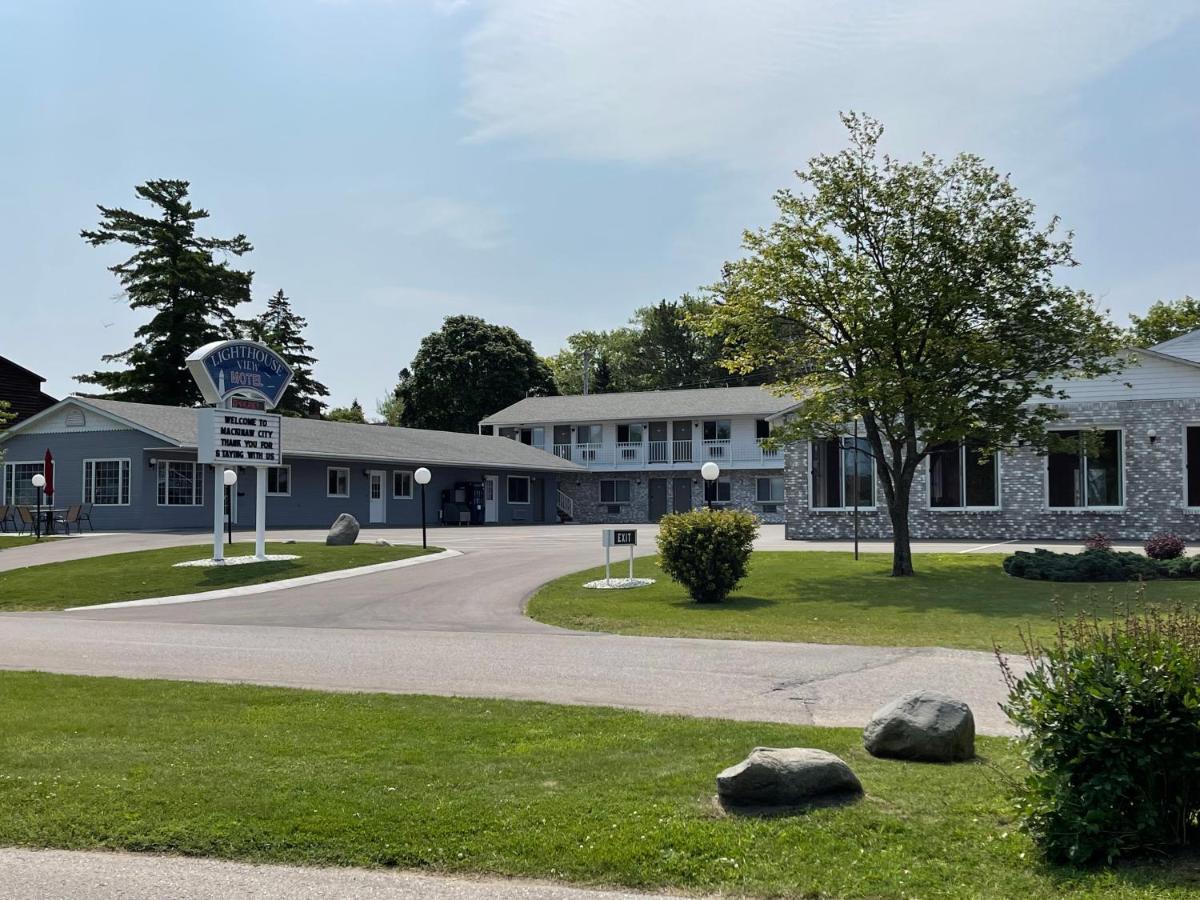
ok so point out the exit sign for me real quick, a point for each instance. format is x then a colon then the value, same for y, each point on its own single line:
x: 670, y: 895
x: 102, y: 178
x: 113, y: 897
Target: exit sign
x: 620, y: 537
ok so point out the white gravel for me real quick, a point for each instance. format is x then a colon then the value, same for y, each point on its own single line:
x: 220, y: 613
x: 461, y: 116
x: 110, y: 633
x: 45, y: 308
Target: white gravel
x: 235, y: 561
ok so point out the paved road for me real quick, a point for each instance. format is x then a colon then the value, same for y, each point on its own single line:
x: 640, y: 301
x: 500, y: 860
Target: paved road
x: 72, y: 875
x: 455, y: 627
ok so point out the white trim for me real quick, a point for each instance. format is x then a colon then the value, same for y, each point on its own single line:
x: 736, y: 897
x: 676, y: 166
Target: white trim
x: 842, y: 481
x: 4, y: 474
x: 1183, y: 465
x: 50, y: 410
x: 288, y: 492
x: 508, y: 480
x: 371, y: 501
x: 197, y: 482
x: 411, y: 486
x: 1120, y: 507
x: 83, y: 485
x: 329, y: 469
x: 962, y: 480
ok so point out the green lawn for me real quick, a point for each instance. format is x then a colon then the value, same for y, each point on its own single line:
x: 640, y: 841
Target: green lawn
x: 20, y: 540
x: 954, y: 600
x: 524, y: 789
x: 149, y: 573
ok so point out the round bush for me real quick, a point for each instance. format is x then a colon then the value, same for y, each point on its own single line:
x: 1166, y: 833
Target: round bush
x: 1164, y: 545
x: 1111, y: 714
x: 707, y: 550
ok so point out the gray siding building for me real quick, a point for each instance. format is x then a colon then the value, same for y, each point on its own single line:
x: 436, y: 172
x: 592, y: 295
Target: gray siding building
x: 137, y: 464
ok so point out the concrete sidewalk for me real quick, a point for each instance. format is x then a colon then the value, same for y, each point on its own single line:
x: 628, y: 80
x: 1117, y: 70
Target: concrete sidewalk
x: 80, y: 875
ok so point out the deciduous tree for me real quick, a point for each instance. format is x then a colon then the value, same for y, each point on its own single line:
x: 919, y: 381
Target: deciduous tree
x: 352, y: 413
x: 919, y: 298
x: 183, y: 278
x: 1164, y: 320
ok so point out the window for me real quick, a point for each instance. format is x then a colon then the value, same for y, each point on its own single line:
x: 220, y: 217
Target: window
x: 518, y: 489
x: 770, y: 490
x: 402, y: 485
x: 762, y: 429
x: 106, y: 482
x: 180, y: 483
x: 588, y: 434
x: 614, y: 490
x: 962, y: 477
x: 629, y: 434
x: 718, y: 491
x: 1192, y: 464
x: 718, y: 430
x: 17, y: 488
x: 841, y: 472
x: 1083, y: 469
x: 279, y: 481
x: 337, y: 482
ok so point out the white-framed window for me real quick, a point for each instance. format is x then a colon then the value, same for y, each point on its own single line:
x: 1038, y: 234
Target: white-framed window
x: 1085, y: 469
x: 402, y: 485
x: 18, y: 491
x: 839, y: 471
x: 180, y: 483
x: 588, y: 434
x: 961, y: 476
x: 337, y: 482
x: 106, y: 482
x: 518, y: 488
x: 719, y: 491
x: 1191, y: 466
x: 279, y: 481
x: 769, y: 490
x: 615, y: 490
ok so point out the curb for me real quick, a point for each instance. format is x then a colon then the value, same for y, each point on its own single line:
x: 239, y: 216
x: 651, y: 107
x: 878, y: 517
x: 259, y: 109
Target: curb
x: 268, y: 587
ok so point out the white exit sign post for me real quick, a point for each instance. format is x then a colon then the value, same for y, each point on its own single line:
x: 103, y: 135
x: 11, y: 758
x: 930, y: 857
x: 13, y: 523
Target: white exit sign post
x: 618, y: 537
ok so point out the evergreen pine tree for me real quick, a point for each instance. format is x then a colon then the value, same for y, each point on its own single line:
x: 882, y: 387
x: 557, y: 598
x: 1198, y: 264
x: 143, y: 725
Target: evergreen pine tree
x: 174, y: 272
x: 281, y: 329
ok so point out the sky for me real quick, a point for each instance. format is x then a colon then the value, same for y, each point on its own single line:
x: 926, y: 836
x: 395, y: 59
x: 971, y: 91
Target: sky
x: 554, y: 165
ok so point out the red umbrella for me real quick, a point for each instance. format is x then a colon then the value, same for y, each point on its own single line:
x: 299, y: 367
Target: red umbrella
x: 48, y: 471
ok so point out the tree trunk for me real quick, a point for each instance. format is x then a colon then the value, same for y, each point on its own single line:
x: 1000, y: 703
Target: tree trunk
x: 901, y: 535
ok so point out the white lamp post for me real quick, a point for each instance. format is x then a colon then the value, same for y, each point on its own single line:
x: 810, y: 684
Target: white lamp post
x: 710, y: 472
x: 422, y: 477
x: 229, y: 479
x: 39, y: 482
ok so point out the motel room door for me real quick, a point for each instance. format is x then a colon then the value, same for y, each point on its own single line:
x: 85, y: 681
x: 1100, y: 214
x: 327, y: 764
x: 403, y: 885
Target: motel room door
x: 491, y: 491
x: 682, y: 490
x: 658, y: 498
x: 377, y: 514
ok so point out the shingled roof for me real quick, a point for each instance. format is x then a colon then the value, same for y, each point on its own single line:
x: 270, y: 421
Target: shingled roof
x: 344, y: 440
x: 642, y: 406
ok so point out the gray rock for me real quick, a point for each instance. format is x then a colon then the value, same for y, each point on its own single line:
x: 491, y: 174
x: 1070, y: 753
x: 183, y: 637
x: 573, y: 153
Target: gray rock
x: 925, y: 725
x: 795, y: 776
x: 343, y: 532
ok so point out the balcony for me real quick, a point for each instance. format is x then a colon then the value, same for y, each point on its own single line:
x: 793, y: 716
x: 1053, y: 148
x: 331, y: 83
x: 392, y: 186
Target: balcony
x: 629, y: 455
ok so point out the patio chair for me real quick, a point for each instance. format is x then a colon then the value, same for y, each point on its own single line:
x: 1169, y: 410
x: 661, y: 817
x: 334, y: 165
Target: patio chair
x: 6, y: 516
x: 24, y: 519
x: 70, y: 517
x: 85, y: 515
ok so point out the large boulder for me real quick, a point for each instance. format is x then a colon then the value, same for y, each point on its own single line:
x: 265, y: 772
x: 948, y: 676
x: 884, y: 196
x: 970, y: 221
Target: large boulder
x: 343, y: 532
x: 796, y: 776
x: 924, y: 725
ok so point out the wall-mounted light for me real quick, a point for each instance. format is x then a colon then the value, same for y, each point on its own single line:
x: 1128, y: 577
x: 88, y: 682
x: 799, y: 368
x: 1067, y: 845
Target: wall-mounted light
x: 153, y: 462
x: 1153, y: 435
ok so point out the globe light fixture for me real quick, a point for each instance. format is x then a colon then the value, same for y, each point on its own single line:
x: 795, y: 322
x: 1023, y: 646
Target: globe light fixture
x: 422, y: 477
x: 230, y: 478
x: 710, y: 472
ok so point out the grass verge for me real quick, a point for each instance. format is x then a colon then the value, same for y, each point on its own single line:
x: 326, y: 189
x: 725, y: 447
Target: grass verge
x: 955, y: 600
x: 21, y: 540
x: 151, y: 573
x: 522, y: 789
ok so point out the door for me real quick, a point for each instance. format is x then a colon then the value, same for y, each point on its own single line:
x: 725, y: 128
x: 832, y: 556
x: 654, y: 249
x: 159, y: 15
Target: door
x: 682, y: 489
x: 377, y: 514
x: 658, y: 498
x: 491, y: 489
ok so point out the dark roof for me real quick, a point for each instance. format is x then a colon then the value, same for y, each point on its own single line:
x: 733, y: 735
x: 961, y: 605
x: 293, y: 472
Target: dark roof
x: 643, y: 405
x: 344, y: 440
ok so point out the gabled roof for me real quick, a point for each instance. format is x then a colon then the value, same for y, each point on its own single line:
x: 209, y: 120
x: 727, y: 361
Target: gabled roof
x: 1186, y: 346
x: 341, y: 440
x: 642, y: 405
x: 34, y: 376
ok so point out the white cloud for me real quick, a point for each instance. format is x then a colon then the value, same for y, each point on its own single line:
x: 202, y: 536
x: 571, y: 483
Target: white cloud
x: 470, y: 225
x: 754, y: 81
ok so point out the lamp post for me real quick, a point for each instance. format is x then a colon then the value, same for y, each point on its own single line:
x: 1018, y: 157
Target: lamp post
x: 710, y: 472
x: 39, y: 482
x: 421, y: 477
x: 229, y: 478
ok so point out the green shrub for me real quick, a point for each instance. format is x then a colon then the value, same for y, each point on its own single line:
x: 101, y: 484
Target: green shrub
x: 1090, y: 565
x: 707, y: 550
x: 1111, y: 714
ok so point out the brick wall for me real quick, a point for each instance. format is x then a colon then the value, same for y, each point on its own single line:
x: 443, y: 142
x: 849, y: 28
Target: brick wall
x: 1154, y: 493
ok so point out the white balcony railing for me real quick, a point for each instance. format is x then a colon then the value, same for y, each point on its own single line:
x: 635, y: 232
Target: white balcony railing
x: 637, y: 454
x: 659, y: 452
x: 563, y: 451
x: 681, y: 451
x: 716, y: 450
x: 629, y: 453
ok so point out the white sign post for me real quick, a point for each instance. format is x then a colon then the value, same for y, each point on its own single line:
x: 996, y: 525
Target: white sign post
x: 618, y: 537
x: 241, y: 379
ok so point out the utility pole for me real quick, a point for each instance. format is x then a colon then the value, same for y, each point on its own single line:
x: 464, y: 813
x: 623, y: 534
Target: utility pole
x: 587, y: 371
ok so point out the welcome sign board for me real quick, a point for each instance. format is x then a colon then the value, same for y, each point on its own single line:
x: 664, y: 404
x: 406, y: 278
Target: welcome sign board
x: 239, y: 437
x: 225, y: 369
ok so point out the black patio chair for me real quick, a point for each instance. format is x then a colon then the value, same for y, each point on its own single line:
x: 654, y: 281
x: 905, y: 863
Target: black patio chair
x: 85, y: 515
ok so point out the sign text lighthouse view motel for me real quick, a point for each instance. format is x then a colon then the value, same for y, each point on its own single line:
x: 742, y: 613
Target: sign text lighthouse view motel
x: 242, y: 380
